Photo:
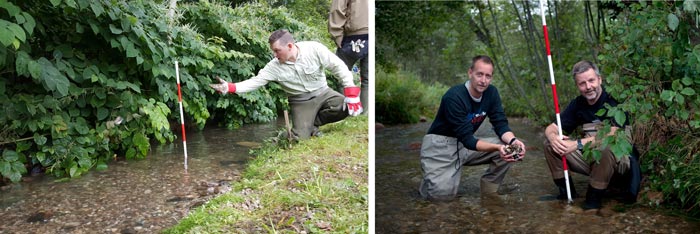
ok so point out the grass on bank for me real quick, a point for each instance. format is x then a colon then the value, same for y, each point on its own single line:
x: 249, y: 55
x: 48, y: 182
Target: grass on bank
x: 319, y: 185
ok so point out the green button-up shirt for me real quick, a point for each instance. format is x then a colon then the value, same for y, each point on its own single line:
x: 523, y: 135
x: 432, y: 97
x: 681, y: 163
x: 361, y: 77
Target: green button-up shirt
x: 303, y: 76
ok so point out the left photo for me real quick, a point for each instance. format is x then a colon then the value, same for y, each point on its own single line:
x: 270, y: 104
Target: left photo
x: 184, y: 116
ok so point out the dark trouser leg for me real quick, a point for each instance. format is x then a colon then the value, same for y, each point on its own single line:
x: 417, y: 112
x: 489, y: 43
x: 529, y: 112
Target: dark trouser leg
x: 494, y: 175
x: 364, y: 91
x: 303, y: 115
x: 325, y: 108
x: 601, y: 173
x: 554, y: 161
x: 331, y: 109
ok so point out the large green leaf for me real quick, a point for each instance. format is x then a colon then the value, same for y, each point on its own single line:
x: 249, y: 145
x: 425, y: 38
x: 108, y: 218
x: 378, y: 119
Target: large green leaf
x: 10, y: 155
x: 55, y: 2
x: 97, y: 8
x: 18, y: 32
x: 620, y: 117
x: 141, y: 142
x: 39, y: 139
x: 6, y: 35
x: 672, y: 21
x: 114, y: 29
x: 53, y: 79
x: 688, y: 91
x: 73, y: 171
x: 102, y: 113
x: 34, y: 69
x: 11, y: 8
x: 5, y: 168
x: 22, y: 63
x: 19, y: 167
x: 29, y: 23
x: 130, y: 153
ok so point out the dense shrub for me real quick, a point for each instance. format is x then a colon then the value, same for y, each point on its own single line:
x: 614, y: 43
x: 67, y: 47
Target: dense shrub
x: 86, y: 81
x: 400, y: 97
x: 653, y: 62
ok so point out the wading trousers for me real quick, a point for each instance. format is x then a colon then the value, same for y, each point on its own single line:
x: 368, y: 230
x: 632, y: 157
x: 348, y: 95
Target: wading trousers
x: 600, y: 173
x: 309, y: 111
x: 442, y: 159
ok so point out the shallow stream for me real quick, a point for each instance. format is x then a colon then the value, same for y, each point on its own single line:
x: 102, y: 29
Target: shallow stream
x: 133, y: 196
x: 399, y: 208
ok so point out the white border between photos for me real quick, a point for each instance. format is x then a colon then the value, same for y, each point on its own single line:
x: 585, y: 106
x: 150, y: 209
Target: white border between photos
x: 371, y: 120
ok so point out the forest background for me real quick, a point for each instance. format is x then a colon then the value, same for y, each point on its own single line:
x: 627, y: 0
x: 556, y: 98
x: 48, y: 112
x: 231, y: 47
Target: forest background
x: 648, y: 53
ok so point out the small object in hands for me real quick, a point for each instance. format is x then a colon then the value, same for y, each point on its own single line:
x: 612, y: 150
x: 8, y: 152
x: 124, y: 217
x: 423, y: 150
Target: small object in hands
x: 510, y: 149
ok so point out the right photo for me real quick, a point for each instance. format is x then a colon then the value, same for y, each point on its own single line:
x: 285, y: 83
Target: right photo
x: 537, y: 117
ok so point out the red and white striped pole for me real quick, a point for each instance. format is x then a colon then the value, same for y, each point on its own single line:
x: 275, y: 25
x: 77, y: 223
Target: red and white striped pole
x: 556, y: 99
x: 182, y: 116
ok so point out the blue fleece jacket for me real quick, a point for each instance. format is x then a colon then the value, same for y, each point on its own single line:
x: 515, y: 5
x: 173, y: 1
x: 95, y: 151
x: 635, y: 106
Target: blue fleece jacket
x: 460, y: 116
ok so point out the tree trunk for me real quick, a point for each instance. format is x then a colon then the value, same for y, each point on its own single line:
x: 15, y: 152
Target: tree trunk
x: 591, y: 37
x: 509, y: 64
x: 540, y: 52
x: 556, y: 29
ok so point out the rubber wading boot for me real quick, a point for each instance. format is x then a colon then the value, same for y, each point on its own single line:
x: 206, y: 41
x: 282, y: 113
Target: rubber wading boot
x: 489, y: 195
x: 561, y: 184
x: 594, y: 198
x: 489, y: 190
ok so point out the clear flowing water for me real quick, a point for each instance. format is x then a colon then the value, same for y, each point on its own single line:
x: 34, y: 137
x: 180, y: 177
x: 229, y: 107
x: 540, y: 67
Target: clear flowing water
x: 399, y: 208
x: 133, y: 196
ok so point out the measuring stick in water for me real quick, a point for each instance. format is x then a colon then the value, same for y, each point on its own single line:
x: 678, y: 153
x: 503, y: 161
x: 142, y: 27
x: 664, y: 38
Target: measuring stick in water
x: 286, y: 124
x: 182, y: 116
x: 556, y: 99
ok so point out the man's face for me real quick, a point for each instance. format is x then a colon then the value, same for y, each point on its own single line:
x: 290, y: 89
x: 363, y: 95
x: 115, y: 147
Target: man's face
x: 588, y: 84
x: 282, y: 51
x: 480, y: 76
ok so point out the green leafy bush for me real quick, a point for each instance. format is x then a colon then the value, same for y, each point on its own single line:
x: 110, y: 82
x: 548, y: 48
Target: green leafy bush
x: 654, y: 67
x: 400, y: 97
x: 87, y: 81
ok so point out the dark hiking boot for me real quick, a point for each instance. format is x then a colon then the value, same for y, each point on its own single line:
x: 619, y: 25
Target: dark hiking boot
x: 594, y: 198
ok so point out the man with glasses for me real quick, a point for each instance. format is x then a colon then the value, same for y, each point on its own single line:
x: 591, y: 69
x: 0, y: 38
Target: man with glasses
x: 450, y: 142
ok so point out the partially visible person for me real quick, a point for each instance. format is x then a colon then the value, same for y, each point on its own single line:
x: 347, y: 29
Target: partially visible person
x: 348, y: 25
x: 298, y: 67
x: 581, y: 112
x: 450, y: 142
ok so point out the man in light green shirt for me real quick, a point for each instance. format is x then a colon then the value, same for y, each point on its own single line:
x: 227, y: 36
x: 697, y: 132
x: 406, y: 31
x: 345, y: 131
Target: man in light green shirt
x: 298, y: 67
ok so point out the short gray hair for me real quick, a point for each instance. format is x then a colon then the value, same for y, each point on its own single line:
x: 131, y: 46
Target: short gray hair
x: 583, y: 66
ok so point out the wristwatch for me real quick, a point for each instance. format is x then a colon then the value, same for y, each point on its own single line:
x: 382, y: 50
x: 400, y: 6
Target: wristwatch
x: 580, y: 145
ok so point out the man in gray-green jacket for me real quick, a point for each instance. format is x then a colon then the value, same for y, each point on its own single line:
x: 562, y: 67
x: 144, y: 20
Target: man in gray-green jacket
x: 298, y: 67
